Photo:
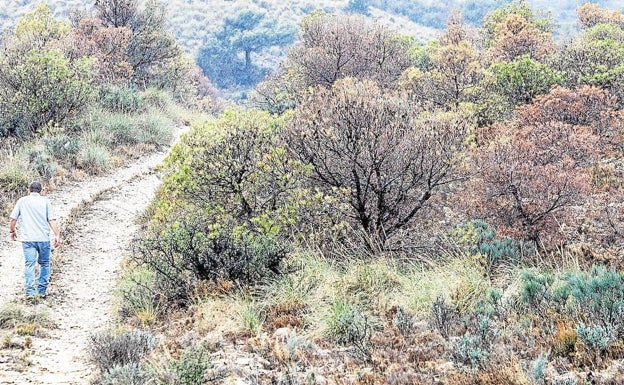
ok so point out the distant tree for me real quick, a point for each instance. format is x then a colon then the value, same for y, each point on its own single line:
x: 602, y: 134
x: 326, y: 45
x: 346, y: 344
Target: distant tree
x: 516, y: 30
x: 151, y: 46
x: 595, y: 57
x: 226, y: 55
x: 117, y: 13
x: 334, y: 47
x: 535, y: 169
x: 590, y: 15
x: 522, y: 79
x: 371, y: 146
x: 109, y: 45
x: 453, y: 71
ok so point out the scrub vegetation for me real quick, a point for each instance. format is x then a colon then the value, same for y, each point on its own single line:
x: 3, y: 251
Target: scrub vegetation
x: 377, y: 211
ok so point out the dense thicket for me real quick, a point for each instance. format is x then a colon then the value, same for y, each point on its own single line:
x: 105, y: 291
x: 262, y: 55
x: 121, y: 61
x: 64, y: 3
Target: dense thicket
x: 493, y: 124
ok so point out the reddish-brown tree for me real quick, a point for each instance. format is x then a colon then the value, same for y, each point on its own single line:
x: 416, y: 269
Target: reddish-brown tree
x: 590, y: 15
x: 516, y: 30
x: 534, y: 170
x: 108, y: 44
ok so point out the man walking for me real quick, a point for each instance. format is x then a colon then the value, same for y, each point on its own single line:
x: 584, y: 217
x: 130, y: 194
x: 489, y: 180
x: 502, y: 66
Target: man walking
x: 36, y: 217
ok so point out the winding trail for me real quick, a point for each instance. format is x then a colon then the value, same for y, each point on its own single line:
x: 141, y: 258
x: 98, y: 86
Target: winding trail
x: 82, y: 284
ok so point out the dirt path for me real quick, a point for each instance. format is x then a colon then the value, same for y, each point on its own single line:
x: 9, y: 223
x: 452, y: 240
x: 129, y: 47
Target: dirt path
x: 81, y: 289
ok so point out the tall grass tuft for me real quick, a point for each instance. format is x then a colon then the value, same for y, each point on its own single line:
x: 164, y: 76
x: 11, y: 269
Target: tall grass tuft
x: 154, y: 128
x: 94, y: 158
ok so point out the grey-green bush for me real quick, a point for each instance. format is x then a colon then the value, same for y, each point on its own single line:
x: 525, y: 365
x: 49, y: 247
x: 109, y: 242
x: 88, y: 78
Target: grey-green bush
x: 130, y: 374
x: 193, y: 368
x: 109, y: 350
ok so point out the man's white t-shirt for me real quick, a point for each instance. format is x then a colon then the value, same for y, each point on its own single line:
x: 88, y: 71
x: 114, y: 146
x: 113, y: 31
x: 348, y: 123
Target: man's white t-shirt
x: 33, y: 212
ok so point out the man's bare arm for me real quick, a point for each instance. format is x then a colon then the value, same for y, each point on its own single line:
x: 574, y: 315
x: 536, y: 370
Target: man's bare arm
x: 12, y: 231
x: 57, y: 233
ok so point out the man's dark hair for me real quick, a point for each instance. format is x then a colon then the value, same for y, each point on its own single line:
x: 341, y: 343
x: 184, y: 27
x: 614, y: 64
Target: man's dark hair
x: 35, y: 187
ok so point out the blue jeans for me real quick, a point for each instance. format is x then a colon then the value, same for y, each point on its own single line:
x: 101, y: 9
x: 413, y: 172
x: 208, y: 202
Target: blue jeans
x: 36, y: 252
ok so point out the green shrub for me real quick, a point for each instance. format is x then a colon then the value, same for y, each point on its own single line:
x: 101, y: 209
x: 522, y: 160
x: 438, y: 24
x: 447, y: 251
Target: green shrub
x: 120, y: 98
x: 110, y: 350
x: 599, y: 299
x: 596, y: 338
x: 349, y: 325
x: 191, y: 251
x: 130, y: 374
x: 41, y: 162
x: 193, y: 368
x: 474, y: 347
x: 536, y: 290
x: 480, y: 239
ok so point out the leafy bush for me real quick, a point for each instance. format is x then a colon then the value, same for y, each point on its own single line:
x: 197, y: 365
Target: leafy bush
x: 130, y: 374
x: 110, y: 350
x: 192, y: 250
x: 41, y: 83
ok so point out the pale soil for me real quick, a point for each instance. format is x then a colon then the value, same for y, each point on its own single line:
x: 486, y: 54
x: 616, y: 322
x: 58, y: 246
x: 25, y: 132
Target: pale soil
x: 86, y: 266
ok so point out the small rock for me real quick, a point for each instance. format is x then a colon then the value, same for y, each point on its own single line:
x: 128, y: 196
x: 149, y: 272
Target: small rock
x: 282, y: 334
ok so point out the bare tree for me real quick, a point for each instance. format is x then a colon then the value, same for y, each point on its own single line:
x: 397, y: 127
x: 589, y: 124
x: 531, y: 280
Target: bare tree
x: 373, y: 146
x: 116, y: 13
x: 335, y: 47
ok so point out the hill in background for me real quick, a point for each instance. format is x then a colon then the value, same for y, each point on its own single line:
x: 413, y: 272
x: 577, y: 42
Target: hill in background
x: 190, y: 20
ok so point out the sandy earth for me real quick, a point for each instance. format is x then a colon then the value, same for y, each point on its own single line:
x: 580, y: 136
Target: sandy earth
x: 81, y: 288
